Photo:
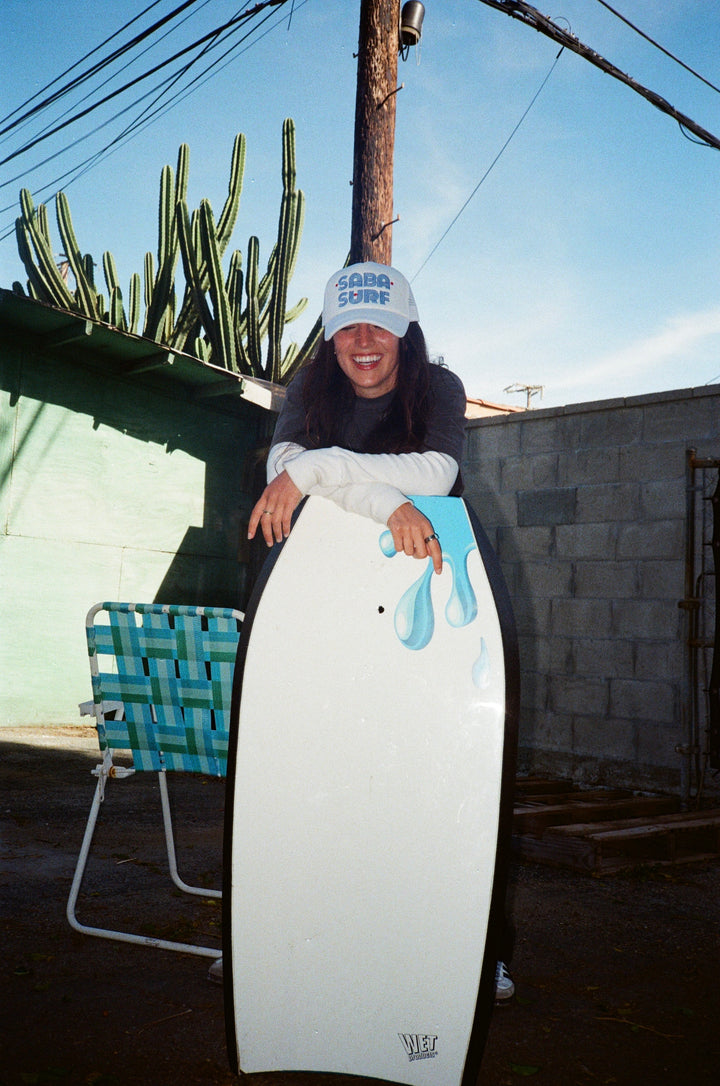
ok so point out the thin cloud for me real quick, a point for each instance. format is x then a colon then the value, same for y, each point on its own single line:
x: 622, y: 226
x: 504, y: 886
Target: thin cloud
x: 677, y: 342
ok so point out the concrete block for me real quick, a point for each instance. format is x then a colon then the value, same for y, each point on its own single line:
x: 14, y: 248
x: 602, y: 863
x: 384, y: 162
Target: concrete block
x: 492, y: 507
x: 603, y: 657
x: 612, y: 428
x: 632, y: 699
x: 562, y: 656
x: 596, y: 578
x: 660, y: 660
x: 534, y: 691
x: 662, y: 498
x: 662, y: 579
x: 579, y: 541
x: 649, y: 620
x: 489, y: 438
x: 516, y: 473
x: 543, y: 433
x: 582, y: 618
x: 688, y: 420
x: 480, y: 478
x: 545, y: 470
x: 607, y: 739
x: 530, y: 473
x: 544, y: 654
x: 657, y: 462
x: 651, y: 539
x: 523, y: 543
x: 608, y: 502
x: 656, y: 745
x: 554, y: 506
x: 548, y: 578
x: 531, y: 615
x: 578, y: 695
x: 549, y: 731
x: 580, y: 466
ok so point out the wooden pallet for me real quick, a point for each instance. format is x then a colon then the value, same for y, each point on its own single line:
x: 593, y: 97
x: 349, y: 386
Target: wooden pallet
x: 605, y: 830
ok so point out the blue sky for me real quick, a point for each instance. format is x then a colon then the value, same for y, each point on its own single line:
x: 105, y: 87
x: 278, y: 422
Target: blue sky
x: 587, y: 262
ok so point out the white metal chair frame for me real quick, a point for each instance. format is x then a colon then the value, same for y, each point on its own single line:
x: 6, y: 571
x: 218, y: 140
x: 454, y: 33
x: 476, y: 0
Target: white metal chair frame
x: 166, y: 699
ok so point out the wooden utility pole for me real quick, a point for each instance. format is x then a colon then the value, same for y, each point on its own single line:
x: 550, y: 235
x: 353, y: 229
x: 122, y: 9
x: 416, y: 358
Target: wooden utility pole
x: 372, y: 203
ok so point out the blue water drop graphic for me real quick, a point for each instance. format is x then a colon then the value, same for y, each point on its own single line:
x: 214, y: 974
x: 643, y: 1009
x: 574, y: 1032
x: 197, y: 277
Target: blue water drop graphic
x: 387, y: 545
x: 481, y: 667
x: 414, y: 619
x: 461, y: 608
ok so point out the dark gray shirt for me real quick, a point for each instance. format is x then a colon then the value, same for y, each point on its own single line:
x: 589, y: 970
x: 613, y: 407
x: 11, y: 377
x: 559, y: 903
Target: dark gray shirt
x: 446, y: 421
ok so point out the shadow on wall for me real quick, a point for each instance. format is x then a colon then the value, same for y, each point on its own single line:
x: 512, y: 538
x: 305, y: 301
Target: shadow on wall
x: 498, y: 522
x: 106, y: 460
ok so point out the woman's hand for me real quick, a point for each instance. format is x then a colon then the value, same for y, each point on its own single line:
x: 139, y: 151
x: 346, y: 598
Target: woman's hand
x: 273, y: 512
x: 414, y: 534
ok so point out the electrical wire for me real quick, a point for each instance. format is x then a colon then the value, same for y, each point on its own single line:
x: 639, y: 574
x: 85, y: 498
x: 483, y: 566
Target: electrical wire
x: 658, y: 46
x: 90, y: 72
x: 138, y: 79
x: 145, y: 118
x: 489, y: 169
x: 526, y: 13
x: 110, y: 77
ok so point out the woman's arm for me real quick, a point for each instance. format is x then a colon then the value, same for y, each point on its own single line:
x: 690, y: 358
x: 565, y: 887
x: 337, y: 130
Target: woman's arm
x: 412, y: 532
x: 408, y: 473
x: 365, y: 483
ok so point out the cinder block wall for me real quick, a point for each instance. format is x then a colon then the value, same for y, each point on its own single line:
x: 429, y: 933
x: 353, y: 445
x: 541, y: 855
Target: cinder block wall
x: 586, y: 506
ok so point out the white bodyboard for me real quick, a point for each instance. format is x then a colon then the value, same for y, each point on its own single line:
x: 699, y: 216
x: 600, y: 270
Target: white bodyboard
x: 368, y: 769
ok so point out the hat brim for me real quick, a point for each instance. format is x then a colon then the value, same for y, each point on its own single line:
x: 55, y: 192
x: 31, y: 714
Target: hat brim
x: 391, y: 322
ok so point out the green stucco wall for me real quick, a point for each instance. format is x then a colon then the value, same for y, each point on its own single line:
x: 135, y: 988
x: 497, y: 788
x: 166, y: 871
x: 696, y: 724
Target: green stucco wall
x: 108, y: 490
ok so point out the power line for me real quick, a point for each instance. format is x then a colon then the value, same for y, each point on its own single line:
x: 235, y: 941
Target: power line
x: 90, y: 72
x: 518, y: 9
x: 658, y: 46
x: 78, y: 62
x: 68, y: 147
x: 144, y: 118
x: 138, y: 79
x: 489, y: 169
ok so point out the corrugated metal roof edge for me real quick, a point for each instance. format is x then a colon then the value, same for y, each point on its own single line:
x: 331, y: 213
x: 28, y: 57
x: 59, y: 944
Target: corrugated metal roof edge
x: 129, y: 355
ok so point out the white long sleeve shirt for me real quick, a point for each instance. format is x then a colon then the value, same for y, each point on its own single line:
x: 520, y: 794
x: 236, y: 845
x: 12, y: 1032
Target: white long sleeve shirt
x: 371, y: 484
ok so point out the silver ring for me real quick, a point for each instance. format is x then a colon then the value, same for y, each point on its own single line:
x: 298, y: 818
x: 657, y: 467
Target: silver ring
x: 267, y: 512
x: 431, y: 537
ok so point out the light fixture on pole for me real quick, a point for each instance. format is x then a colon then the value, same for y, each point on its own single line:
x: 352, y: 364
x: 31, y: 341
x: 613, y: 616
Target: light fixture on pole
x: 411, y: 20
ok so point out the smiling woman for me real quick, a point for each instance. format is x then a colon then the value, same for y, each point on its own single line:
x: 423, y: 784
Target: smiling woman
x: 368, y: 356
x: 370, y: 420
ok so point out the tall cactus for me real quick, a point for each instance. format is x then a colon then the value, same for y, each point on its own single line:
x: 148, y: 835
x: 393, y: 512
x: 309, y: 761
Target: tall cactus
x: 85, y: 293
x: 45, y: 283
x: 160, y: 314
x: 223, y: 320
x: 188, y: 315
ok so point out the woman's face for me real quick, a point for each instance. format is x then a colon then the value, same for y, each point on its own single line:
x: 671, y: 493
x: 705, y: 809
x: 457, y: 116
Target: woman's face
x: 368, y: 356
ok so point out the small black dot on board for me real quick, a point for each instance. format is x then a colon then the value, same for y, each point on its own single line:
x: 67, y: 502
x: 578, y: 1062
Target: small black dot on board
x: 381, y: 610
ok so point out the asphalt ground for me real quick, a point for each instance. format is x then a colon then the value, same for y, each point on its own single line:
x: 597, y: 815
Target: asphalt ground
x: 617, y: 976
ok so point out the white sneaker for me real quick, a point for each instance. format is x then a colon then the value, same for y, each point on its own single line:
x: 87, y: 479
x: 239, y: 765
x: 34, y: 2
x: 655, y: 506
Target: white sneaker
x: 504, y: 987
x: 215, y: 972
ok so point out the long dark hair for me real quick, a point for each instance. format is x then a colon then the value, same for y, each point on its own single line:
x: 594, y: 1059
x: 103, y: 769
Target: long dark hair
x: 328, y: 396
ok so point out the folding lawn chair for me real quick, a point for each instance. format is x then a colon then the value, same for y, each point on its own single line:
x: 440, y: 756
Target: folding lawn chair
x: 162, y: 684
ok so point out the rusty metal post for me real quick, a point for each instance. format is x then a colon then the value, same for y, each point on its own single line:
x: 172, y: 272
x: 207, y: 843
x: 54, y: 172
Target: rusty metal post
x: 372, y: 203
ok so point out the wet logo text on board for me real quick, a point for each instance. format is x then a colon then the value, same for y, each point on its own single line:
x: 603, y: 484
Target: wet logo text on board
x: 419, y: 1046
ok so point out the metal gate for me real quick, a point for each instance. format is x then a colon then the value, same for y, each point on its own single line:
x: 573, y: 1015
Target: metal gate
x: 701, y: 710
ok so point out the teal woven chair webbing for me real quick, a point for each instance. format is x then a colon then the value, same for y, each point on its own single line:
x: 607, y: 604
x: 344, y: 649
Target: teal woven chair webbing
x: 174, y: 677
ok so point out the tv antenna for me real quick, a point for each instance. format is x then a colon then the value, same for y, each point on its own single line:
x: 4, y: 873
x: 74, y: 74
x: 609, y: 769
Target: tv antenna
x: 529, y: 390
